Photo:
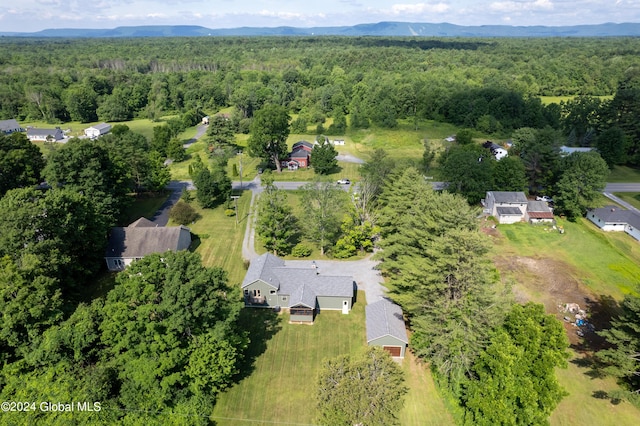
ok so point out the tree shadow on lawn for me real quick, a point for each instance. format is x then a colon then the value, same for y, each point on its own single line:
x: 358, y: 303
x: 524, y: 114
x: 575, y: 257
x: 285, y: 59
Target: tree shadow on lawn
x: 600, y: 313
x: 261, y: 325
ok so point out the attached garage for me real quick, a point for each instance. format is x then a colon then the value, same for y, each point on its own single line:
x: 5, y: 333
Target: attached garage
x: 385, y: 327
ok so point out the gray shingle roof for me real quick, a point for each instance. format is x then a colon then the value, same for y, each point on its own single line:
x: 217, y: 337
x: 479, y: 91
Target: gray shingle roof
x: 509, y: 197
x: 101, y: 126
x: 384, y: 318
x: 9, y: 125
x: 302, y: 285
x: 134, y: 242
x: 612, y: 214
x: 143, y: 222
x: 260, y: 269
x: 300, y: 144
x: 32, y: 131
x: 538, y: 206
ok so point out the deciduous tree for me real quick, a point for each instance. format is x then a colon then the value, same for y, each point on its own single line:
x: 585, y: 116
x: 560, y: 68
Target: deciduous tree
x: 321, y: 202
x: 367, y: 389
x: 276, y: 225
x: 269, y: 132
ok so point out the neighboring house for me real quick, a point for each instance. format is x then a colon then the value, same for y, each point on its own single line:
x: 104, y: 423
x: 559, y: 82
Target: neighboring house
x: 97, y: 130
x: 10, y: 126
x: 507, y: 207
x: 48, y: 135
x: 141, y: 238
x: 205, y: 120
x: 304, y: 292
x: 496, y: 150
x: 568, y: 150
x: 611, y: 218
x: 385, y: 327
x: 538, y: 212
x: 300, y: 156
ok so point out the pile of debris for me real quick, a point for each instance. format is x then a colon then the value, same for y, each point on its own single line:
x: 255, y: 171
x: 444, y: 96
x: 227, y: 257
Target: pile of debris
x: 578, y: 318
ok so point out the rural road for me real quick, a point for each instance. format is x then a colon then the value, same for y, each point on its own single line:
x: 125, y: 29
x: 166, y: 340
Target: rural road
x: 622, y: 187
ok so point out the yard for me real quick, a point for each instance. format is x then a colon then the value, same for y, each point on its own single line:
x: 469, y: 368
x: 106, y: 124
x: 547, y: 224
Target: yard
x: 278, y: 387
x: 586, y: 266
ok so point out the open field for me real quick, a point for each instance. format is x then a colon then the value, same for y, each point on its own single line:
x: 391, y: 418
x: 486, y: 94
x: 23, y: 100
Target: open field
x: 220, y: 240
x: 279, y: 386
x: 584, y: 266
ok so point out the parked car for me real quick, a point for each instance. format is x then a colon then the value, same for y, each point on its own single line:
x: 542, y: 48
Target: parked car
x: 544, y: 198
x: 344, y: 182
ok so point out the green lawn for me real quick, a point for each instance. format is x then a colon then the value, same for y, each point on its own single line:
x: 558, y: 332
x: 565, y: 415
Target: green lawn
x: 608, y: 262
x: 623, y: 174
x: 220, y: 239
x: 279, y: 385
x: 282, y: 381
x: 632, y: 198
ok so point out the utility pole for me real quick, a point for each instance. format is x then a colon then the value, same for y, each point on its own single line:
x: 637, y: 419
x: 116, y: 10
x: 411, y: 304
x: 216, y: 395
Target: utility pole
x: 240, y: 169
x: 235, y: 199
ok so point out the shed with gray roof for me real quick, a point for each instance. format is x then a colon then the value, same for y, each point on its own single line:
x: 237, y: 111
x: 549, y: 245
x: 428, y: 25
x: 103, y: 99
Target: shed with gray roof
x: 386, y: 328
x: 141, y: 238
x: 303, y: 291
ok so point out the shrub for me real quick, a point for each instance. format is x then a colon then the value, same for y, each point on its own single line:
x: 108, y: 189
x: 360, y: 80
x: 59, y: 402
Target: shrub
x: 230, y: 212
x: 301, y: 250
x: 183, y: 213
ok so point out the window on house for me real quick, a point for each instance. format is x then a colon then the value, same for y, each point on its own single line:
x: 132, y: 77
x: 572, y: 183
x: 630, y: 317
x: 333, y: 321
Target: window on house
x: 272, y: 292
x: 246, y: 292
x: 256, y: 292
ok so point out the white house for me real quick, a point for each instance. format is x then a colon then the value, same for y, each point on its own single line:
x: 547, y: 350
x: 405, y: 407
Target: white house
x: 48, y: 135
x: 507, y: 207
x: 143, y: 237
x: 97, y: 130
x: 10, y: 126
x: 611, y: 218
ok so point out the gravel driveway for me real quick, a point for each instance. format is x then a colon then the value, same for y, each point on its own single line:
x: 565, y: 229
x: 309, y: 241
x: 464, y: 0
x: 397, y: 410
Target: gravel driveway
x: 367, y: 278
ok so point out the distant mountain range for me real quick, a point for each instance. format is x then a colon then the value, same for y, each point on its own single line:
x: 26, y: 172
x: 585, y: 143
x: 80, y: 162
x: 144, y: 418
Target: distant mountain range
x: 406, y: 29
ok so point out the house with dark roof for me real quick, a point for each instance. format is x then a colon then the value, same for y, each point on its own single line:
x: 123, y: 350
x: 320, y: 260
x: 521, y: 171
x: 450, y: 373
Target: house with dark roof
x: 386, y: 328
x: 270, y: 283
x: 141, y: 238
x: 506, y: 206
x: 97, y: 130
x: 538, y: 212
x: 612, y: 218
x: 10, y: 126
x: 300, y: 156
x: 47, y: 135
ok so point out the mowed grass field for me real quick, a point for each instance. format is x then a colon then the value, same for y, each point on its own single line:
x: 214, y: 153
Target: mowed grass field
x: 607, y: 264
x: 279, y: 385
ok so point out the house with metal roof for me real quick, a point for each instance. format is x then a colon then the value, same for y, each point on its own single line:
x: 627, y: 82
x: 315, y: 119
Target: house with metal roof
x: 612, y: 218
x: 10, y: 126
x: 141, y: 238
x: 538, y: 212
x: 386, y: 328
x: 300, y: 156
x: 270, y: 283
x: 97, y: 130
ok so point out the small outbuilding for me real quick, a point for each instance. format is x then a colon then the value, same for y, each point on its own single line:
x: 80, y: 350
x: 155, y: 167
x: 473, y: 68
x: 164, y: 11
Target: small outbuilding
x: 386, y: 328
x: 97, y: 130
x: 538, y: 212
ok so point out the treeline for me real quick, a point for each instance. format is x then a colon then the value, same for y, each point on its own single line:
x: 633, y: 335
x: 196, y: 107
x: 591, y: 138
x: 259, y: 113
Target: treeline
x: 163, y: 340
x: 376, y: 81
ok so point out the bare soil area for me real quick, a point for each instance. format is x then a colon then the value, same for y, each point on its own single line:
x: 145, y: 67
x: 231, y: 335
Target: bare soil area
x: 554, y: 284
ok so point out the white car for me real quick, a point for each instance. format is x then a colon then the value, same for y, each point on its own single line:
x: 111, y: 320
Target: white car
x: 545, y: 198
x: 344, y: 182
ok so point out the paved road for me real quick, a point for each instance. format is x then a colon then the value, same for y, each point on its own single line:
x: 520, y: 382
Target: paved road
x: 200, y: 131
x: 622, y: 187
x: 621, y: 202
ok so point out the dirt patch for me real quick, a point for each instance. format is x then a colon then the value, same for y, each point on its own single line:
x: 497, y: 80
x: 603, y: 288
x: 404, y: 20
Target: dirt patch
x: 554, y: 283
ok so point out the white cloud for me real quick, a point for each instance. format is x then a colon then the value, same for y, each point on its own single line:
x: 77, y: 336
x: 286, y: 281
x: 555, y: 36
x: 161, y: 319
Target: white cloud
x: 520, y: 6
x: 419, y: 8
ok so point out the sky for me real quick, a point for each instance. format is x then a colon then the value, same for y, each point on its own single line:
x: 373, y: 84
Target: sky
x: 35, y: 15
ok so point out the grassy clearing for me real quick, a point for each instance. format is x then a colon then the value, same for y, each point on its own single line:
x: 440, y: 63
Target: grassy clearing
x: 546, y: 100
x: 609, y: 263
x: 622, y: 174
x: 632, y: 198
x: 220, y: 239
x: 287, y: 359
x: 582, y: 407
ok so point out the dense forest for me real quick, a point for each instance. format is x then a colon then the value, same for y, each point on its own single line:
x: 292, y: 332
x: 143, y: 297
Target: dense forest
x: 147, y: 347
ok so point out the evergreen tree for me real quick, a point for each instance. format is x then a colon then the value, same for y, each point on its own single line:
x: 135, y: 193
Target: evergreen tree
x: 323, y: 157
